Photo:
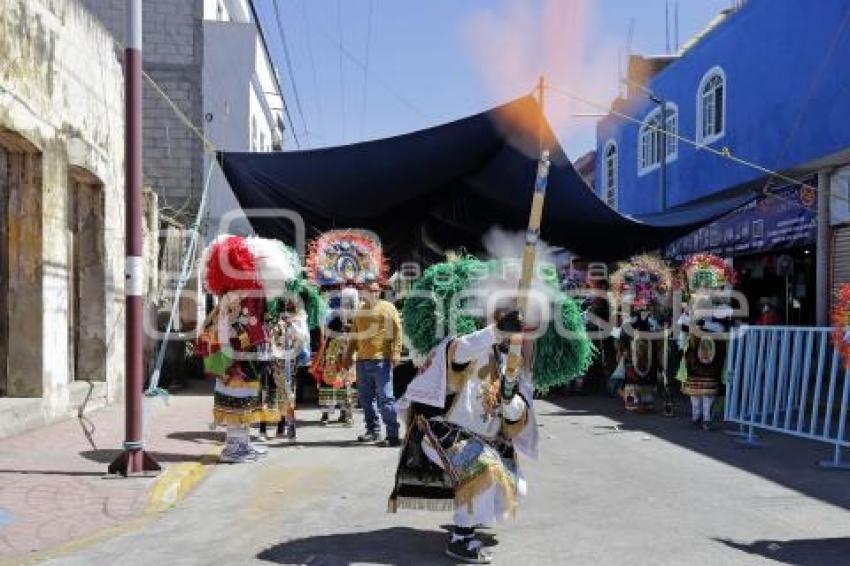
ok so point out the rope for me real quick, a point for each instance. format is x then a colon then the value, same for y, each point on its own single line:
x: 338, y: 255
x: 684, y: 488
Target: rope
x: 724, y: 152
x: 186, y: 270
x: 812, y: 85
x: 208, y: 145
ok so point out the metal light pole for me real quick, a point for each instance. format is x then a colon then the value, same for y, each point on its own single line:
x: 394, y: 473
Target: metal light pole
x: 134, y: 461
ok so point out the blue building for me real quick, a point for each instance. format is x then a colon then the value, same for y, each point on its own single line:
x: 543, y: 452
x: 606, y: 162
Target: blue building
x: 768, y: 83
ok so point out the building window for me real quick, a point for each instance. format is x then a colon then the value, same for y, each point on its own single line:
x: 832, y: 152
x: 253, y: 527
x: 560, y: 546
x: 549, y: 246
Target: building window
x: 711, y: 106
x: 651, y: 135
x: 609, y: 174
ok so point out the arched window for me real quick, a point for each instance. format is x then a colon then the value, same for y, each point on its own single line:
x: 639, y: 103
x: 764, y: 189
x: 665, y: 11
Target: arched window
x: 610, y: 174
x: 711, y: 106
x: 651, y: 134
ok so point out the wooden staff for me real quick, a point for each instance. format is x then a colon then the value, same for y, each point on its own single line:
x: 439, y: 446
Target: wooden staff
x: 532, y: 235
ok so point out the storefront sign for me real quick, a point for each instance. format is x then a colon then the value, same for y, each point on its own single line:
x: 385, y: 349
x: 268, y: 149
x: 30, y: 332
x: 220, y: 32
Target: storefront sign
x: 786, y: 219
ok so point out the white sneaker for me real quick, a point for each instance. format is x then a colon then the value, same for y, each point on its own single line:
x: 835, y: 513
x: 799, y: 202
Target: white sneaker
x: 256, y: 449
x: 236, y: 454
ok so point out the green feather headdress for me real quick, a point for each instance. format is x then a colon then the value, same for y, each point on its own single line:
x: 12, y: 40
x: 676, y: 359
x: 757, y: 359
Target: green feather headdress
x: 299, y: 288
x: 433, y: 312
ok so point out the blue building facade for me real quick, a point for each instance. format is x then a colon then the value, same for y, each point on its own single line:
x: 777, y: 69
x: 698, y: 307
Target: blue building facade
x: 768, y: 83
x: 783, y: 70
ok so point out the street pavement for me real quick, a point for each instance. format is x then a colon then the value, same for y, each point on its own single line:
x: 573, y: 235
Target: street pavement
x: 53, y: 490
x: 610, y: 488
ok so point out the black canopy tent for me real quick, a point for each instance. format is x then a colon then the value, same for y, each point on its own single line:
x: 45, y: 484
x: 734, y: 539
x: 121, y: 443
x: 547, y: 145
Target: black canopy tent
x: 445, y: 186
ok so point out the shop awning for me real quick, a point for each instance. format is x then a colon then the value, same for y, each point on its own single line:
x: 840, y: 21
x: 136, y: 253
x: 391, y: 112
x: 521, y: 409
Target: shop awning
x: 785, y: 220
x: 444, y: 187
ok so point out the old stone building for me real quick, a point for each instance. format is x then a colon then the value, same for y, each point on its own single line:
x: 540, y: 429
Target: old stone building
x: 61, y: 213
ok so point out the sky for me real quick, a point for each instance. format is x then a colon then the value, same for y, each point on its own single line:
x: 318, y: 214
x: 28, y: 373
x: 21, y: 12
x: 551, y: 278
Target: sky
x: 355, y: 70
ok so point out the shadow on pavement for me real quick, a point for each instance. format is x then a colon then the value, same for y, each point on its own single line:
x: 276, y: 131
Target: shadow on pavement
x: 199, y: 437
x: 107, y: 456
x: 319, y: 444
x: 53, y: 473
x: 804, y: 552
x: 397, y: 545
x: 788, y: 461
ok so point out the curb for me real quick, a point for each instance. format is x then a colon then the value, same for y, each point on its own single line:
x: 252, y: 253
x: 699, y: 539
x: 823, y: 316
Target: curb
x: 171, y: 487
x: 175, y: 483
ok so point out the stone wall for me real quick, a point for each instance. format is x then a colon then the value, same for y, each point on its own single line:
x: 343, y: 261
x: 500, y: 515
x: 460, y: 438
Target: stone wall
x: 62, y: 189
x: 172, y: 45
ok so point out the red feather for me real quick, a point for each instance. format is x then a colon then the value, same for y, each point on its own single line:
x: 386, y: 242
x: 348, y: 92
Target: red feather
x: 229, y: 266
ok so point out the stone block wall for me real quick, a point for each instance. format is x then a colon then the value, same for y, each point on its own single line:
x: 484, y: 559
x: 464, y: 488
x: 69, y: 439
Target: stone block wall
x: 61, y: 184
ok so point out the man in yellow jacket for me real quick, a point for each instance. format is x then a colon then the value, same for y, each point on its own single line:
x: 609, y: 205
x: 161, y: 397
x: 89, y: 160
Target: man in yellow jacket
x: 376, y: 339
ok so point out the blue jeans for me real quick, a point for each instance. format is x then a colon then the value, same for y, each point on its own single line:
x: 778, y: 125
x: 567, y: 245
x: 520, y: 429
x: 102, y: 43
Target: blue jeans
x: 375, y: 387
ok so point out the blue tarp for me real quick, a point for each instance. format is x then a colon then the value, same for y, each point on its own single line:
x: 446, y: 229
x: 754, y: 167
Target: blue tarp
x: 444, y: 187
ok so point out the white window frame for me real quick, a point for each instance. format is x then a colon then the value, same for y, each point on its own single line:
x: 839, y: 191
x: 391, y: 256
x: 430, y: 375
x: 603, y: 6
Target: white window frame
x: 715, y: 71
x: 672, y: 115
x: 606, y: 180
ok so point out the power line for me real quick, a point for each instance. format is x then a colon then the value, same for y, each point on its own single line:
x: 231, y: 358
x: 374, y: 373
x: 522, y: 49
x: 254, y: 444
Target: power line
x: 366, y: 68
x: 289, y: 67
x: 316, y: 92
x: 812, y: 86
x: 256, y: 20
x: 384, y: 84
x: 341, y: 66
x: 724, y: 152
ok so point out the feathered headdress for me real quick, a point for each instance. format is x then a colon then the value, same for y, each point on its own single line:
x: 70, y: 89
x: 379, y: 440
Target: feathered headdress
x: 707, y: 271
x: 562, y: 352
x: 346, y: 256
x: 841, y: 324
x: 228, y: 264
x: 641, y: 281
x: 235, y: 263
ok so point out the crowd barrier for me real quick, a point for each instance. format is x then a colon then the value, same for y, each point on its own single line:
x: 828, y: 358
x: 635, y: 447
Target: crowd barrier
x: 788, y: 380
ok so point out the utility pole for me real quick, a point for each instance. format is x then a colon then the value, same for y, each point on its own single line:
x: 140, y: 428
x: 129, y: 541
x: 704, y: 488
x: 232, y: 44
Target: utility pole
x: 134, y: 461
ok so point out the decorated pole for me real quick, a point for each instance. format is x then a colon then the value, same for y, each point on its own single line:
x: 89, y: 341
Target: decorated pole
x: 134, y: 460
x: 532, y: 236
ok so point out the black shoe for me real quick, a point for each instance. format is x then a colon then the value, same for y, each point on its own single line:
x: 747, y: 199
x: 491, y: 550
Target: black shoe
x: 468, y: 550
x: 390, y: 442
x: 369, y: 437
x: 325, y: 419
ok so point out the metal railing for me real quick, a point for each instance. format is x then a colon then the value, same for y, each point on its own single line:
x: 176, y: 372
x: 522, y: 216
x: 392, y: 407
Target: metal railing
x: 788, y: 380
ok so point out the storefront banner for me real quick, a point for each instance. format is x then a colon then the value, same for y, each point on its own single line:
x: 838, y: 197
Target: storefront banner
x: 785, y: 219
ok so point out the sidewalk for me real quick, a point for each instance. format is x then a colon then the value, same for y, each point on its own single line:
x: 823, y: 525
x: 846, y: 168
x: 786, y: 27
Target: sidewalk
x: 52, y: 485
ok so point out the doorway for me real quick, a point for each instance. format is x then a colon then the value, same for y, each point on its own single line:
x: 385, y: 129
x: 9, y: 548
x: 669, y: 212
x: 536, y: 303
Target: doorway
x: 86, y: 278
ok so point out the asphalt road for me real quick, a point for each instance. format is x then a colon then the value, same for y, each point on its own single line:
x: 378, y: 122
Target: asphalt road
x: 609, y: 488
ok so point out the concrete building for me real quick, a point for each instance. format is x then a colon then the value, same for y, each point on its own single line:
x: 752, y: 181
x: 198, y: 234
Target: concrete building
x: 766, y: 82
x: 210, y: 59
x: 61, y: 213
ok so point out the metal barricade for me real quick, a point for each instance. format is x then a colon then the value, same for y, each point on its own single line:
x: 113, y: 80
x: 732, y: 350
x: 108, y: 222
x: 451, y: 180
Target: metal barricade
x: 788, y: 380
